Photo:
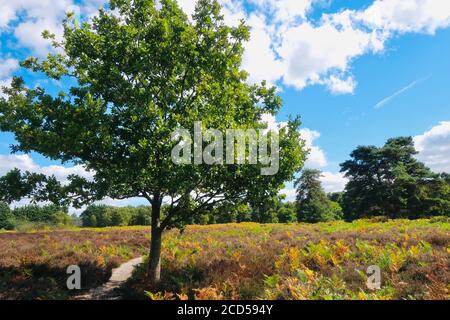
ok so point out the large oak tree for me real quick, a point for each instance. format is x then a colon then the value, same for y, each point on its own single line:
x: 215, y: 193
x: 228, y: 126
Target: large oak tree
x: 138, y: 71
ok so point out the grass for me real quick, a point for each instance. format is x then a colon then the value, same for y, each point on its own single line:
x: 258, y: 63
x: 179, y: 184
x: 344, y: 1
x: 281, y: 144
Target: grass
x: 304, y: 261
x: 33, y: 264
x: 240, y: 261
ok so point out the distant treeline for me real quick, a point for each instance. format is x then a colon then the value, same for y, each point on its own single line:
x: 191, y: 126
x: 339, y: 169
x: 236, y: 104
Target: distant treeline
x: 30, y: 216
x: 106, y: 216
x: 382, y: 181
x: 33, y: 215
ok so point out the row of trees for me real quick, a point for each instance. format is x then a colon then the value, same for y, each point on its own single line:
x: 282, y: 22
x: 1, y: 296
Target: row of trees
x: 386, y: 181
x: 383, y: 181
x: 106, y: 216
x: 276, y: 211
x: 48, y: 214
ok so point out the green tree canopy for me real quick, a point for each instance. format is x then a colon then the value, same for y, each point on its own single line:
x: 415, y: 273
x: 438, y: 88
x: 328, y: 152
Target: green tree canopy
x: 287, y: 213
x: 105, y: 216
x: 391, y: 181
x: 312, y: 202
x: 5, y: 216
x: 140, y: 70
x: 47, y: 213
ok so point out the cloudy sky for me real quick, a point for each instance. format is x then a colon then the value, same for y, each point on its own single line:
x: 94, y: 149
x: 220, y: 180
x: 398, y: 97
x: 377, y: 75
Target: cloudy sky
x: 357, y: 71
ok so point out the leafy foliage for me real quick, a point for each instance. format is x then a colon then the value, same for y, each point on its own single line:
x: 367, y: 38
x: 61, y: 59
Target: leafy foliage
x: 30, y: 216
x: 6, y: 217
x: 390, y: 181
x: 313, y: 204
x: 287, y: 213
x: 106, y: 216
x: 142, y: 74
x: 35, y: 213
x: 142, y: 70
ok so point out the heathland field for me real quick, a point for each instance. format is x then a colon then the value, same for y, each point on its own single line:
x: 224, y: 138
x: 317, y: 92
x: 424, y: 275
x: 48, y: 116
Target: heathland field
x: 239, y: 261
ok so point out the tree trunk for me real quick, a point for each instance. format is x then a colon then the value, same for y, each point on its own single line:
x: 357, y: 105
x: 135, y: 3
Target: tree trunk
x: 154, y: 263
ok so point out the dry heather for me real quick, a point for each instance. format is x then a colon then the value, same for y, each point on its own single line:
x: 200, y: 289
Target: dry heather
x: 322, y: 261
x: 33, y: 265
x: 241, y: 261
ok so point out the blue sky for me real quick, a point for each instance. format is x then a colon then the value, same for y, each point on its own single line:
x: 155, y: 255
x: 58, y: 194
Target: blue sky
x: 346, y: 121
x: 358, y: 72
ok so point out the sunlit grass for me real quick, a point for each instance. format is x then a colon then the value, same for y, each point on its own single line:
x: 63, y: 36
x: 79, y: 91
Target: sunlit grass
x: 240, y: 260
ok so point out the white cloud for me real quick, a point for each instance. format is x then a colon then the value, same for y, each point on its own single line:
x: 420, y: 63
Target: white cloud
x: 289, y: 10
x: 90, y: 8
x: 316, y: 157
x: 32, y: 18
x: 4, y: 83
x: 33, y: 9
x: 130, y: 202
x: 284, y: 10
x: 272, y: 123
x: 322, y: 53
x: 29, y: 34
x: 123, y: 202
x: 407, y: 16
x: 232, y: 10
x: 259, y: 59
x: 289, y: 193
x: 297, y: 52
x: 7, y: 66
x: 312, y: 54
x: 286, y: 47
x: 341, y: 85
x: 434, y: 147
x: 188, y: 6
x: 26, y: 163
x: 22, y: 162
x: 302, y: 52
x: 331, y: 182
x: 23, y: 202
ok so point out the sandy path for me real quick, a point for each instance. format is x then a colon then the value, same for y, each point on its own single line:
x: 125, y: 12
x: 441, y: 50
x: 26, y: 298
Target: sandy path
x: 118, y: 278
